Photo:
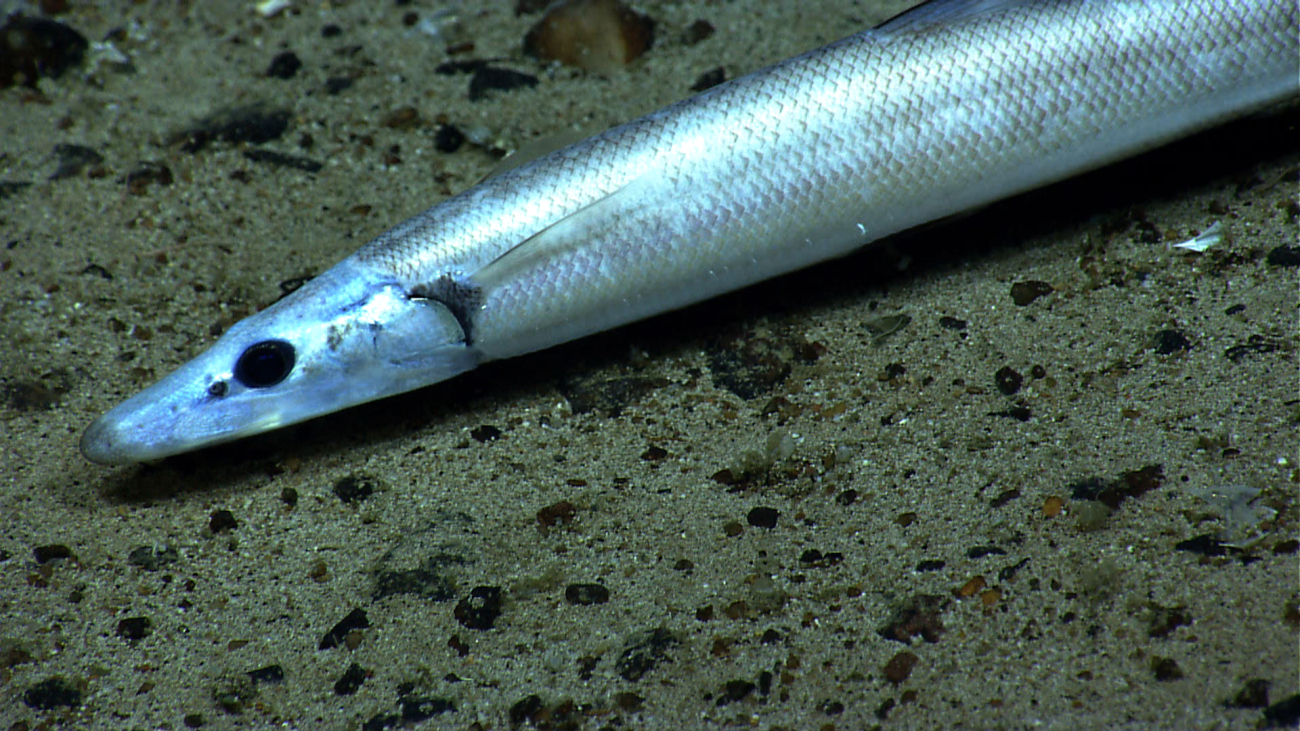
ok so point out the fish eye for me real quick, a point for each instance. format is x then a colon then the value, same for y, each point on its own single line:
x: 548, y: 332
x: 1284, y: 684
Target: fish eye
x: 264, y: 364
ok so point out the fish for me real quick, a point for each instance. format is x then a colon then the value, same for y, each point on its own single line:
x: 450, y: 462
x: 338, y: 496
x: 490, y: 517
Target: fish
x: 943, y: 109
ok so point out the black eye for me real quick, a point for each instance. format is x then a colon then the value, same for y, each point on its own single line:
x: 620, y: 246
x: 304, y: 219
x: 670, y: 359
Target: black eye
x: 264, y: 364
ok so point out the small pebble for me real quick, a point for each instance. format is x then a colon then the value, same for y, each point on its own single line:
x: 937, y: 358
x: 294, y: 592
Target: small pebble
x: 594, y: 35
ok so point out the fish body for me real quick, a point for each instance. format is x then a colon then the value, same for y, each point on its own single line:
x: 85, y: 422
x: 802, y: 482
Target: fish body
x: 950, y: 106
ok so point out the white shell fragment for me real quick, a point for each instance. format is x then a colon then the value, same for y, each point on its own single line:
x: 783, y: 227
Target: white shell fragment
x: 1204, y: 240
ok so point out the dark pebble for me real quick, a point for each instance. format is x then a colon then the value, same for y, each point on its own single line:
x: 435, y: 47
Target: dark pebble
x: 51, y: 552
x: 355, y: 620
x: 221, y: 521
x: 560, y: 513
x: 254, y: 124
x: 900, y: 667
x: 586, y: 594
x: 1004, y: 497
x: 628, y: 701
x: 1007, y: 573
x: 735, y: 690
x: 350, y: 682
x: 448, y: 138
x: 1024, y: 293
x: 146, y: 174
x: 1165, y: 668
x: 485, y: 433
x: 709, y: 79
x: 354, y: 488
x: 832, y: 708
x: 763, y: 517
x: 336, y: 85
x: 848, y: 497
x: 952, y: 323
x: 527, y: 710
x: 269, y: 675
x: 1283, y: 714
x: 480, y: 609
x: 979, y: 552
x: 34, y: 47
x: 1019, y: 413
x: 134, y: 628
x: 1008, y: 380
x: 696, y: 32
x: 284, y: 65
x: 932, y: 564
x: 52, y: 693
x: 1284, y: 256
x: 1254, y: 694
x: 491, y: 78
x: 813, y: 558
x: 1206, y: 544
x: 1168, y: 342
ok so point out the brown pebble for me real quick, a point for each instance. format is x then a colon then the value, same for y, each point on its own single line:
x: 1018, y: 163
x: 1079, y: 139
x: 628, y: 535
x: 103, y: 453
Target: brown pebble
x: 989, y: 597
x: 971, y: 588
x: 1024, y: 293
x: 900, y: 666
x: 1053, y: 507
x: 594, y: 35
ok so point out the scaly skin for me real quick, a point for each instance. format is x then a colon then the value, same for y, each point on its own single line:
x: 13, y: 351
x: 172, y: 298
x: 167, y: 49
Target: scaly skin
x: 948, y: 107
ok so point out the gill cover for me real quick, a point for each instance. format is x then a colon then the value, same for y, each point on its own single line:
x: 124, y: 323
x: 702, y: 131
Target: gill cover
x: 346, y: 337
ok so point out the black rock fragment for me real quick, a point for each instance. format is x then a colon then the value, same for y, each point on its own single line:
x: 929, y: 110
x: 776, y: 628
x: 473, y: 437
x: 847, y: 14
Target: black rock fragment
x: 350, y: 682
x: 763, y: 517
x: 481, y: 609
x: 51, y: 693
x: 1284, y: 256
x: 269, y: 675
x: 254, y: 123
x: 51, y: 552
x: 644, y: 654
x: 356, y: 619
x: 586, y: 594
x: 34, y: 47
x: 134, y: 628
x: 284, y: 65
x: 491, y: 78
x: 1168, y: 342
x: 354, y: 488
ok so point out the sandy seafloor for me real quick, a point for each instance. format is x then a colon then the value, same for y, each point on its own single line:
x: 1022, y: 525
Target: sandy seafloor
x: 918, y: 574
